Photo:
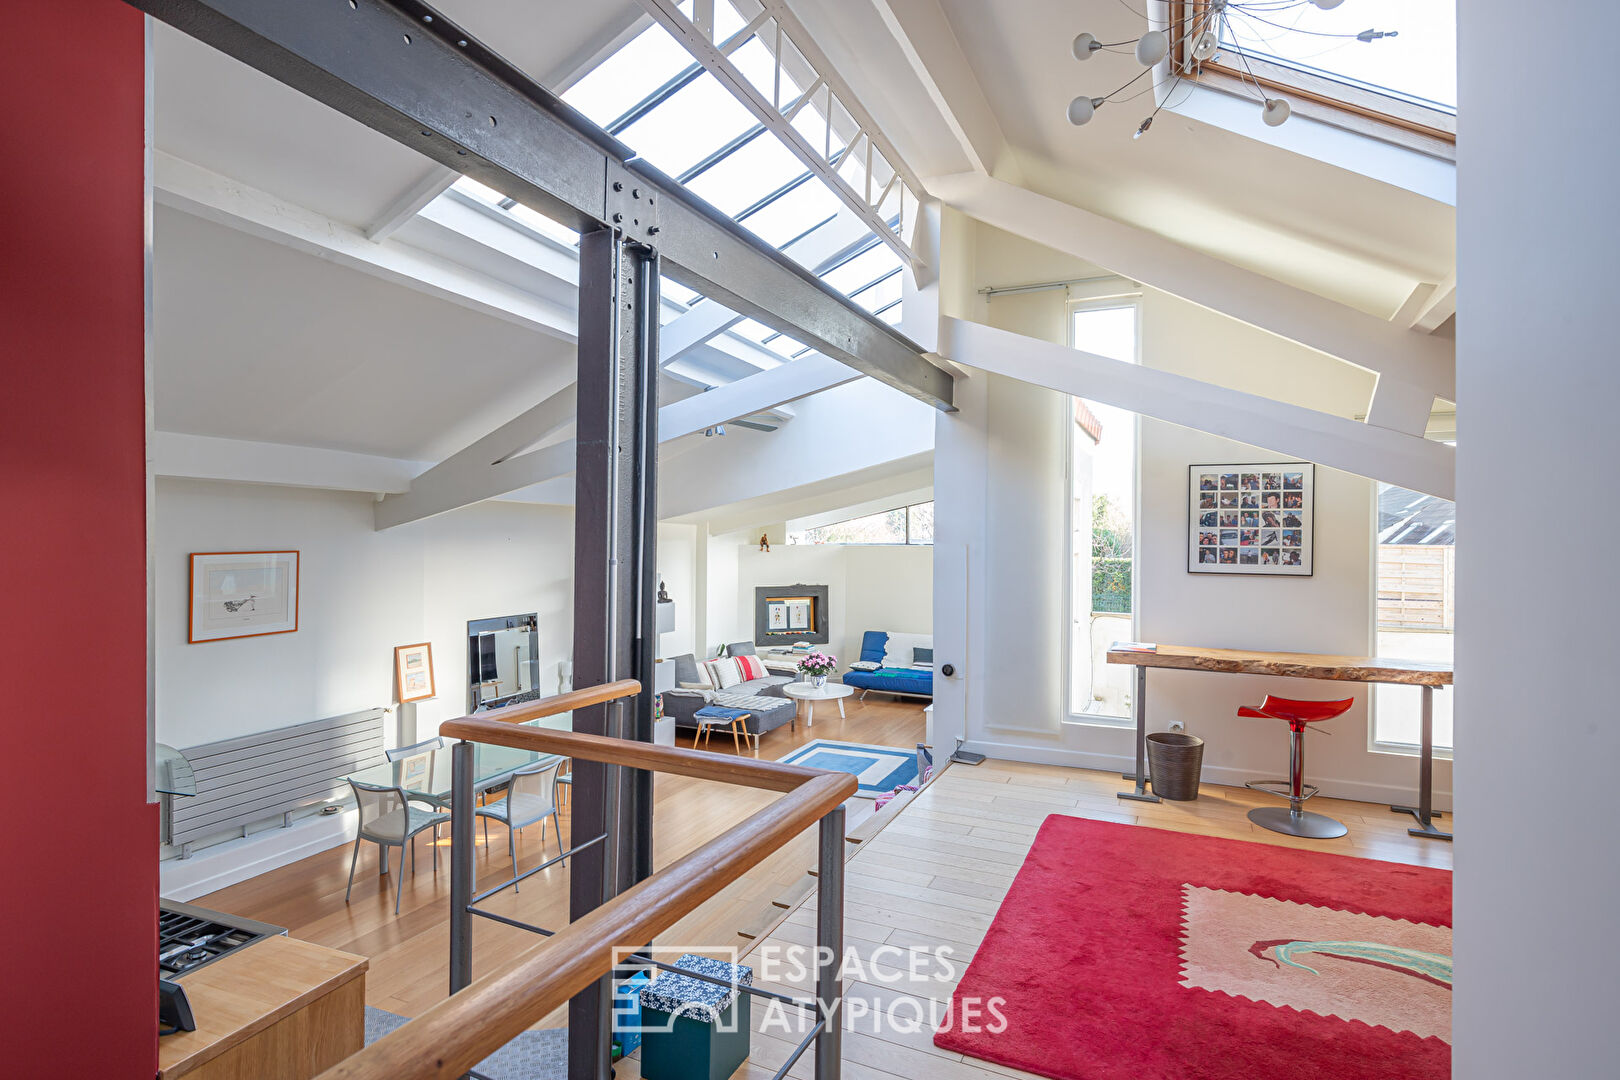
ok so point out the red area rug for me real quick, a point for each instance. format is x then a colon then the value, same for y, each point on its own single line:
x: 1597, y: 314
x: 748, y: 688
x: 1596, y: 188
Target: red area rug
x: 1137, y: 953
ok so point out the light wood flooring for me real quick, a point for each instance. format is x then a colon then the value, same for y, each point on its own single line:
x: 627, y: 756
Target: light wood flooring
x: 409, y: 952
x: 933, y: 878
x: 929, y: 876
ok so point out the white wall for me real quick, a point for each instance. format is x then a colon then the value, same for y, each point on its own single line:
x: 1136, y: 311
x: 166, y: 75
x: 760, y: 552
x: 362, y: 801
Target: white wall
x: 1537, y: 877
x: 361, y: 592
x: 677, y: 562
x: 1000, y: 491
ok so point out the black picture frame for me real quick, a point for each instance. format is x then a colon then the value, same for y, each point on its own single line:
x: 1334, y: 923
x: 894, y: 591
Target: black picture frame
x: 1252, y: 536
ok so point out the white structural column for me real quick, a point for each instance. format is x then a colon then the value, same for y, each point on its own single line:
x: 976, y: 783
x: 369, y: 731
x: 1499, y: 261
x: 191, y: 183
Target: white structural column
x: 1425, y: 361
x: 1536, y: 884
x: 1338, y: 442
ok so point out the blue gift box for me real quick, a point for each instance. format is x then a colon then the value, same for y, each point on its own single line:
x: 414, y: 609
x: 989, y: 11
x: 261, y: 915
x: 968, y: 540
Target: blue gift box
x: 627, y: 1012
x: 694, y: 1029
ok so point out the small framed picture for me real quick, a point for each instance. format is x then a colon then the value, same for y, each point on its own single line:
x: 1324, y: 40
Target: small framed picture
x: 236, y: 594
x: 1264, y: 521
x: 413, y: 667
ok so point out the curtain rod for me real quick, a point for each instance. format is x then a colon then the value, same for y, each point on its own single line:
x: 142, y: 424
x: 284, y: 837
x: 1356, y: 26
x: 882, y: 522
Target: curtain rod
x: 1045, y: 285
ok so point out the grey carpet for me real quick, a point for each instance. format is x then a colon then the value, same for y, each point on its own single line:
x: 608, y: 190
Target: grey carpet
x: 533, y: 1055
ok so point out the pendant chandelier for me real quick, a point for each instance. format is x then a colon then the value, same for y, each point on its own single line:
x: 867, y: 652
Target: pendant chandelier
x: 1197, y: 39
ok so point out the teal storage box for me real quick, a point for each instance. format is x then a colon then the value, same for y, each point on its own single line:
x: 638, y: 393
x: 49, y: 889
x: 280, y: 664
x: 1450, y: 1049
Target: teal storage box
x: 692, y: 1029
x: 627, y: 1012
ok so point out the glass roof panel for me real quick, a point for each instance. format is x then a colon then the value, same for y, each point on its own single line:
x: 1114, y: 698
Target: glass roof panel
x: 747, y: 175
x: 697, y: 120
x: 794, y: 214
x: 629, y: 76
x: 754, y: 59
x: 1417, y: 62
x: 880, y: 295
x: 863, y: 269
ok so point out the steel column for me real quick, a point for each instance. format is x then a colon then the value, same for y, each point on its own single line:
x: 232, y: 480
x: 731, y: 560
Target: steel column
x: 1424, y: 811
x: 463, y: 866
x: 615, y: 543
x: 830, y: 946
x: 1140, y: 793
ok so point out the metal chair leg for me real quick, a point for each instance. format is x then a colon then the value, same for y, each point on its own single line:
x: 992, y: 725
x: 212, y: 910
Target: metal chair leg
x: 485, y: 820
x: 511, y: 846
x: 399, y: 881
x: 352, y: 860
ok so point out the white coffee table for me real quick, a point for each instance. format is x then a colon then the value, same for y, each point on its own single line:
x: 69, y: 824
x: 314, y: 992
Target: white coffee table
x: 803, y: 691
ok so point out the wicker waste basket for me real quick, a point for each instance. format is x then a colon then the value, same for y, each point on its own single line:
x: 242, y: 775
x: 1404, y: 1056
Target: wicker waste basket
x: 1175, y: 761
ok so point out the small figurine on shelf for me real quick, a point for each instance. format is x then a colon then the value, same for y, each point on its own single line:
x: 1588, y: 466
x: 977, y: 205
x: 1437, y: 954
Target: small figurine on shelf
x: 764, y: 542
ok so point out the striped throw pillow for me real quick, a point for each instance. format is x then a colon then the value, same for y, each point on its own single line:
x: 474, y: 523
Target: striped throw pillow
x: 752, y: 667
x: 724, y: 672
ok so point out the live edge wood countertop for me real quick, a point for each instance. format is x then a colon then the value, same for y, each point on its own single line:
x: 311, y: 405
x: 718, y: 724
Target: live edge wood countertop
x: 276, y: 1008
x: 1296, y: 665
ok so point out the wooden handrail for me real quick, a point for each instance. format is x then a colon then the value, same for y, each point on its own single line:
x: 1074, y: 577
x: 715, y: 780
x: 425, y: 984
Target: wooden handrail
x: 561, y: 703
x: 462, y: 1030
x: 456, y: 1034
x: 744, y: 772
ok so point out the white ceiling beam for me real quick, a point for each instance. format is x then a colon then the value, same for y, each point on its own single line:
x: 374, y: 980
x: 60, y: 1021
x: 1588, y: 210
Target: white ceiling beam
x: 466, y: 477
x: 180, y: 185
x: 410, y: 202
x: 924, y: 35
x: 205, y: 457
x: 1437, y: 305
x: 1400, y: 406
x: 1289, y: 312
x: 1409, y: 461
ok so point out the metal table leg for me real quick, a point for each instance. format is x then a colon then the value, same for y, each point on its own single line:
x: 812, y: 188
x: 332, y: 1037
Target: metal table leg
x: 1141, y: 792
x: 1424, y: 811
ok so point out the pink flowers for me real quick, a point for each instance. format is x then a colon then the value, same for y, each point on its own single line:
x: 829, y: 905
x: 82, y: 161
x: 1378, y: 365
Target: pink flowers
x: 818, y: 663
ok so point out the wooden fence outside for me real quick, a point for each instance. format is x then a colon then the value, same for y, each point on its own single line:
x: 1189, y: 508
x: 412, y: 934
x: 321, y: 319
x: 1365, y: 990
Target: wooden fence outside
x: 1416, y: 586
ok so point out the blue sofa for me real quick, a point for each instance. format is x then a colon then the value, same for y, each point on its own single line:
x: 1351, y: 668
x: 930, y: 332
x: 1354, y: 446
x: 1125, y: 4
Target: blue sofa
x: 907, y: 680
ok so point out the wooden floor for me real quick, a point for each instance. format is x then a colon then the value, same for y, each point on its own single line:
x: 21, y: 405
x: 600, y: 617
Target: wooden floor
x: 930, y: 879
x: 935, y: 875
x: 409, y: 952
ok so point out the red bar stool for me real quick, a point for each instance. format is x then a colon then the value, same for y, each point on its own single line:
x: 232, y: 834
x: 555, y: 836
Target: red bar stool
x: 1294, y: 819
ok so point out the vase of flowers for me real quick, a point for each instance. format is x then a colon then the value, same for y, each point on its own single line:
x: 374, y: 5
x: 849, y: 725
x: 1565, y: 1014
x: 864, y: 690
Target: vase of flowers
x: 817, y: 666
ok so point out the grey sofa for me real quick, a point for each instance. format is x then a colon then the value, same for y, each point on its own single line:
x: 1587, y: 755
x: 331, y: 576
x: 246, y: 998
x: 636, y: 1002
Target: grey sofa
x: 763, y: 698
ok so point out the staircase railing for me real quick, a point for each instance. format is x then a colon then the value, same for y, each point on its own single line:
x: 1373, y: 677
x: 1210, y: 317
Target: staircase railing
x: 450, y: 1038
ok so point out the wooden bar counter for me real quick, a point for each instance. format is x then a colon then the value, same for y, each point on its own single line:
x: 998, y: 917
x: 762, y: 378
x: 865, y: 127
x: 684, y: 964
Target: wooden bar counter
x: 278, y: 1009
x: 1365, y: 669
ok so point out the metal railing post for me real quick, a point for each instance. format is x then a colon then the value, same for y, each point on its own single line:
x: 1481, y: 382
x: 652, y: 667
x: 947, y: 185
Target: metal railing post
x: 462, y: 864
x: 830, y: 946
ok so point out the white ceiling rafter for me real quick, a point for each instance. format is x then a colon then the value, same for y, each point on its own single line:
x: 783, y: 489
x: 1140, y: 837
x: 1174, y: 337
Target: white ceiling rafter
x: 471, y: 476
x: 924, y: 35
x: 410, y: 202
x: 1335, y: 441
x: 829, y: 168
x: 183, y: 186
x: 1328, y: 326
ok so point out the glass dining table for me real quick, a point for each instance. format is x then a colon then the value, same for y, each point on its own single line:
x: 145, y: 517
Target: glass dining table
x: 492, y: 765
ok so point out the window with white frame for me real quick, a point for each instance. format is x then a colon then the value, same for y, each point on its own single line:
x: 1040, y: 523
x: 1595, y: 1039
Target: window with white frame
x: 904, y: 525
x: 1416, y: 547
x: 1102, y: 516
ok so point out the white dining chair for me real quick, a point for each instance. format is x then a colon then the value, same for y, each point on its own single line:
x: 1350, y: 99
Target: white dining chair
x: 388, y: 819
x: 531, y: 796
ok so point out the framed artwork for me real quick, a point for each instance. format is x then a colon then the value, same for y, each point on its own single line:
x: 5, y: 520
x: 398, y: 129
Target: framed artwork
x: 237, y: 594
x: 790, y: 614
x: 799, y: 614
x: 776, y: 614
x: 413, y: 667
x: 1251, y: 519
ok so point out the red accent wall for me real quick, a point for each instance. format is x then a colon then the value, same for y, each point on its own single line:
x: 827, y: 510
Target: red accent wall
x: 79, y: 847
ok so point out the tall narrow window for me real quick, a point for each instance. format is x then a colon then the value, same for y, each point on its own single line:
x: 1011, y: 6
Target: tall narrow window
x: 1102, y: 517
x: 1417, y: 538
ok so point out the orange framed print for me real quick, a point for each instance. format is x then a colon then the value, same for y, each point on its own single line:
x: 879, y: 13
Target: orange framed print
x: 237, y: 594
x: 413, y: 667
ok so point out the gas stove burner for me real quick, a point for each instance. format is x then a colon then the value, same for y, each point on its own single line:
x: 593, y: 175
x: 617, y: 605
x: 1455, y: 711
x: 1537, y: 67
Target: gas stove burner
x: 189, y: 937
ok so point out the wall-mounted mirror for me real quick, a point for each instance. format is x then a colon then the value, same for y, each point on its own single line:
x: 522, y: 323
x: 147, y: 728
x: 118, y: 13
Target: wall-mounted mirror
x: 503, y: 661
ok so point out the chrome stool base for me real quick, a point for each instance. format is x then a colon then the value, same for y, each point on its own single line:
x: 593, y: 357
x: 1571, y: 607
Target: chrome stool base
x: 1304, y: 823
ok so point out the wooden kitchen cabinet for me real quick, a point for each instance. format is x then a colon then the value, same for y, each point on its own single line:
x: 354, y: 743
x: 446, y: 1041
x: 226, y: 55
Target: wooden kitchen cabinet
x: 278, y: 1009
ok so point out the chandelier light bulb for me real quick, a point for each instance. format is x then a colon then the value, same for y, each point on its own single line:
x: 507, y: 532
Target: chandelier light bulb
x: 1085, y: 45
x: 1142, y: 130
x: 1206, y: 45
x: 1327, y: 5
x: 1275, y: 112
x: 1082, y: 108
x: 1152, y: 47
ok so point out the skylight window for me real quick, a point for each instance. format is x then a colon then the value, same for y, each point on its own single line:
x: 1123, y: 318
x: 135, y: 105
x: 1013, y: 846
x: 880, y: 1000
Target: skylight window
x: 690, y: 125
x: 1384, y: 68
x: 1415, y: 60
